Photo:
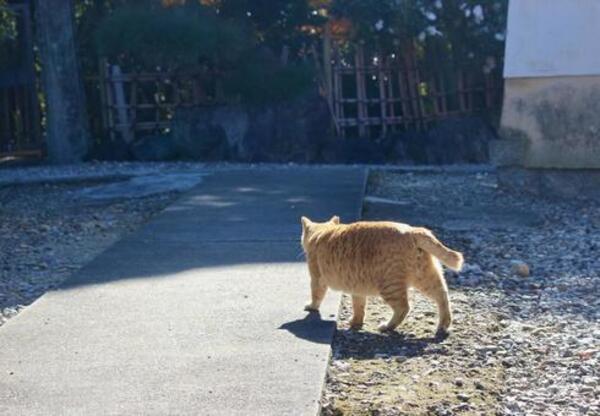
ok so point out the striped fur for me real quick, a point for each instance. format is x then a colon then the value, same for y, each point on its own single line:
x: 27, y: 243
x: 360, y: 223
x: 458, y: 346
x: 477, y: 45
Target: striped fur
x: 378, y: 258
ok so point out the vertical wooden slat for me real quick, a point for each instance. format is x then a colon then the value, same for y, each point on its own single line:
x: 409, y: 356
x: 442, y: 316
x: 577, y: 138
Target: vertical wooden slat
x: 158, y: 103
x: 338, y: 105
x: 405, y: 97
x: 391, y: 96
x: 444, y: 95
x: 468, y: 91
x: 133, y: 105
x: 6, y: 121
x: 121, y: 104
x: 489, y: 86
x: 110, y: 104
x: 359, y: 69
x: 461, y: 92
x: 18, y: 118
x: 103, y: 94
x: 327, y: 66
x: 382, y: 96
x: 437, y: 108
x: 422, y: 113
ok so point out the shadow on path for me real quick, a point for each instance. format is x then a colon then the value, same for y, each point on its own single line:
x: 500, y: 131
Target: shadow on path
x: 311, y: 328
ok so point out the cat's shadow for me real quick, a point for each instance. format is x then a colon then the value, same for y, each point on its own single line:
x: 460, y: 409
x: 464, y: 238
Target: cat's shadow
x: 312, y: 328
x: 361, y: 344
x: 364, y: 344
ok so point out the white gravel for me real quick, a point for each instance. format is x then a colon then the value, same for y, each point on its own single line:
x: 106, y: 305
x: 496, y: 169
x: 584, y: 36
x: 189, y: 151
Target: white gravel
x: 527, y: 307
x: 52, y: 220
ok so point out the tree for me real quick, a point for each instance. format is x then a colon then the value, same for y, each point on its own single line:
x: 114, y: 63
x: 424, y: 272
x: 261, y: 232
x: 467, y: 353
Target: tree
x: 67, y: 123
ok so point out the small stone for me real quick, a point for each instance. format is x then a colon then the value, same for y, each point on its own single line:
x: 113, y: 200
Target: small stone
x: 464, y: 397
x: 519, y: 268
x: 586, y: 354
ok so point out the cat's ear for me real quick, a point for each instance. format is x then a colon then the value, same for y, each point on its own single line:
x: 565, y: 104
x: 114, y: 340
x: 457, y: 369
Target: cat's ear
x: 335, y: 219
x: 305, y: 222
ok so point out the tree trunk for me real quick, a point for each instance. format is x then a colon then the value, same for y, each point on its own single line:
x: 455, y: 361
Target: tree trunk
x: 67, y: 123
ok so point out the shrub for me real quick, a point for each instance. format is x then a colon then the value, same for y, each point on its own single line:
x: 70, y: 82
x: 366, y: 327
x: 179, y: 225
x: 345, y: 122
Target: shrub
x: 196, y: 37
x: 169, y: 38
x: 8, y: 35
x: 261, y: 79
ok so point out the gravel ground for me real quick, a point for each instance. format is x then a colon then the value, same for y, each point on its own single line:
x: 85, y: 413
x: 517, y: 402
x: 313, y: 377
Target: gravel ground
x: 526, y: 335
x: 47, y: 231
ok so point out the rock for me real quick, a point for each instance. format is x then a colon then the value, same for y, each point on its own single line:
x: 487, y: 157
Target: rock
x: 457, y: 140
x: 197, y: 136
x: 519, y: 268
x: 355, y: 150
x: 114, y: 149
x: 154, y: 148
x: 290, y: 131
x: 464, y: 397
x: 590, y: 380
x: 587, y: 354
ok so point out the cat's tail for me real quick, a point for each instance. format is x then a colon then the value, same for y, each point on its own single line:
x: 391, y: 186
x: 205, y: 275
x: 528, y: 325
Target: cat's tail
x: 427, y: 241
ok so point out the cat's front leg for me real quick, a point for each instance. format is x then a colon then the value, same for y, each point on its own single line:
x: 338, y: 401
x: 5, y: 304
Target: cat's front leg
x: 358, y: 311
x: 317, y: 288
x: 317, y: 291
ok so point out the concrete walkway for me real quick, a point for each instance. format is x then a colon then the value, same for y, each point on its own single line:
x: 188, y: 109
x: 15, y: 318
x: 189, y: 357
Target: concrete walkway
x: 198, y: 313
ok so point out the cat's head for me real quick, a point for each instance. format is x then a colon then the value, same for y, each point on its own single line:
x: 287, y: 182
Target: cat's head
x: 308, y: 227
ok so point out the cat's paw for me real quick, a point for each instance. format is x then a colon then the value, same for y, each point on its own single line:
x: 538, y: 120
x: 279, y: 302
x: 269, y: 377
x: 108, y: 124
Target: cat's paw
x: 441, y: 334
x: 356, y: 324
x: 384, y: 327
x: 309, y: 307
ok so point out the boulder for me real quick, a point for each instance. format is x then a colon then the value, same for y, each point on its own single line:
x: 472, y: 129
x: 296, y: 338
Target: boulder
x: 197, y: 136
x: 155, y: 147
x: 291, y: 131
x: 456, y: 140
x: 106, y: 148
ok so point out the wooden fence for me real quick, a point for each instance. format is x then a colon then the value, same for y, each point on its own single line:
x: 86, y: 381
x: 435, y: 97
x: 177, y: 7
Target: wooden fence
x: 369, y: 95
x: 20, y: 121
x: 372, y: 95
x: 145, y: 102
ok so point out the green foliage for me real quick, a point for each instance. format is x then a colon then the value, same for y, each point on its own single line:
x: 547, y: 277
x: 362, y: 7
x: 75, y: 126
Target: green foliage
x: 229, y: 47
x: 8, y: 34
x: 171, y: 38
x: 455, y: 32
x: 260, y: 79
x: 276, y: 23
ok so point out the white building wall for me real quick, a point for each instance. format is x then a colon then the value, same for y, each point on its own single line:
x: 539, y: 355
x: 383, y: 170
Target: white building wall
x: 552, y: 38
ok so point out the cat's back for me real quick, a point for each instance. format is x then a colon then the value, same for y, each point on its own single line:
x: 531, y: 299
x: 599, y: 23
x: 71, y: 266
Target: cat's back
x: 374, y: 231
x: 355, y: 257
x: 369, y: 236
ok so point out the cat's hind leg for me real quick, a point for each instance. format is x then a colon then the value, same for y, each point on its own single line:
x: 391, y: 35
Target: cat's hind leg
x: 395, y: 294
x: 358, y: 311
x: 433, y: 285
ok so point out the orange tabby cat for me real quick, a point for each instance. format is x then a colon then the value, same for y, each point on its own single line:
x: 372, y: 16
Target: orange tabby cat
x: 378, y: 258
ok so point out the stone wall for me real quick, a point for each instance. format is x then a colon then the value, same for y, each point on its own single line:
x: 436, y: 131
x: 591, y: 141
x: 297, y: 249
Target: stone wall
x: 550, y: 137
x: 301, y: 131
x: 550, y: 122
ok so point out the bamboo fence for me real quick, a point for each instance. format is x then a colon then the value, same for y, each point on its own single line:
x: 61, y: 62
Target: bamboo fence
x: 373, y: 96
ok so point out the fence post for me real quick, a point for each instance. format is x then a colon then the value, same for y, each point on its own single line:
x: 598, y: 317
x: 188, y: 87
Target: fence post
x: 383, y: 99
x: 361, y: 93
x: 121, y: 104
